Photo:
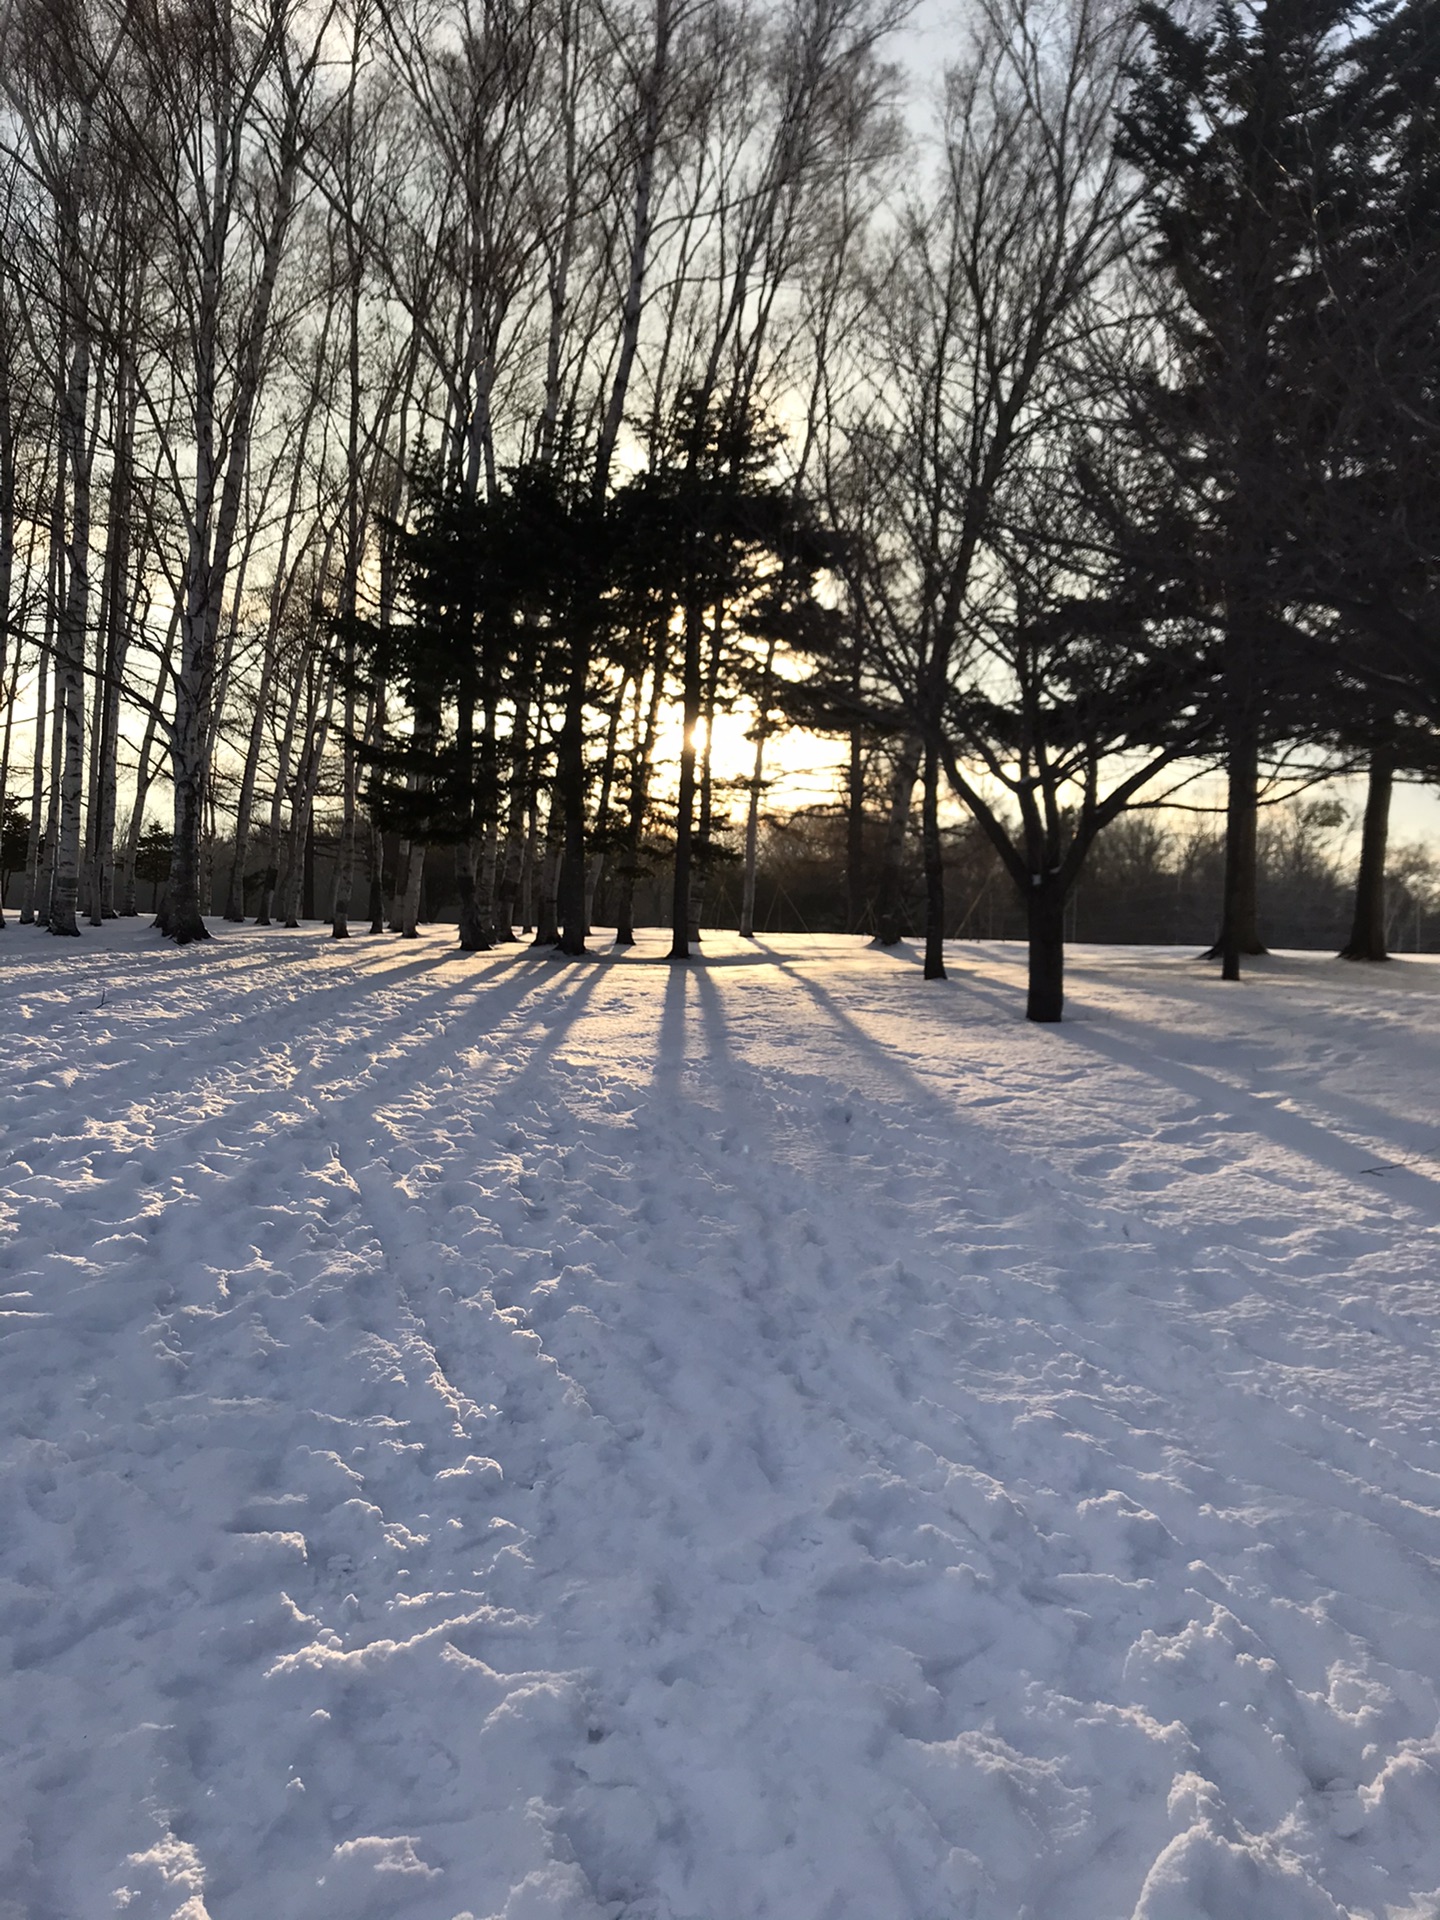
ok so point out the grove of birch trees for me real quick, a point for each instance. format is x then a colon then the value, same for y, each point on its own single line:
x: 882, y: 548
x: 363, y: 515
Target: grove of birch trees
x: 415, y: 412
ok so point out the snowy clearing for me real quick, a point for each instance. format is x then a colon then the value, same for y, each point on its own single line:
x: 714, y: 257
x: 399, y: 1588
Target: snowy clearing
x: 767, y: 1440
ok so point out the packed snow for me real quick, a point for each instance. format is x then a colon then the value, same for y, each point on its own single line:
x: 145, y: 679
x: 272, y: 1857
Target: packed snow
x: 767, y: 1439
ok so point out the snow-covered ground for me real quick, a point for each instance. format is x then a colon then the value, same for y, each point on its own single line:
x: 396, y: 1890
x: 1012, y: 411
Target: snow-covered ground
x: 767, y: 1440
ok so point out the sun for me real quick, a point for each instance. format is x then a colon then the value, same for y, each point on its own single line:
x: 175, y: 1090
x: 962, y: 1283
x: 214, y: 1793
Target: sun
x: 801, y: 768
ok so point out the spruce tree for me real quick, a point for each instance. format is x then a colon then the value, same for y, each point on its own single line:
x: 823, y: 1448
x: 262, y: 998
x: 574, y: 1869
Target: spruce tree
x: 1231, y: 122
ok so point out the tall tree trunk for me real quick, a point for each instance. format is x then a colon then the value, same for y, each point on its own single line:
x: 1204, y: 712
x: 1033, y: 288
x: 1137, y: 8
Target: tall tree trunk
x: 349, y: 827
x: 300, y: 875
x: 685, y: 801
x: 570, y: 907
x: 752, y: 810
x: 934, y: 867
x: 487, y: 872
x: 855, y: 902
x: 282, y: 582
x: 1367, y: 929
x: 410, y: 899
x: 7, y: 572
x: 570, y: 798
x: 270, y: 872
x: 215, y: 514
x: 112, y: 648
x: 476, y: 902
x: 889, y: 926
x: 377, y: 880
x: 530, y: 863
x: 472, y: 933
x: 7, y: 694
x: 642, y: 761
x: 106, y: 753
x: 513, y: 857
x: 31, y: 906
x: 45, y: 881
x: 307, y: 902
x: 144, y: 774
x: 70, y: 638
x: 1045, y: 922
x: 235, y: 891
x: 752, y: 839
x: 595, y: 868
x: 7, y: 528
x: 95, y: 679
x: 350, y: 821
x: 396, y: 915
x: 652, y: 90
x: 354, y: 525
x: 705, y: 831
x: 427, y: 724
x: 547, y: 888
x: 570, y: 752
x: 1239, y: 926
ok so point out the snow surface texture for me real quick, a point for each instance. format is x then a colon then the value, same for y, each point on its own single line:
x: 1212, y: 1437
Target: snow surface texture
x: 764, y: 1440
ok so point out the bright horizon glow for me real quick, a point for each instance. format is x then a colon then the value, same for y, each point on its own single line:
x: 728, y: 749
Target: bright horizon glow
x: 802, y: 769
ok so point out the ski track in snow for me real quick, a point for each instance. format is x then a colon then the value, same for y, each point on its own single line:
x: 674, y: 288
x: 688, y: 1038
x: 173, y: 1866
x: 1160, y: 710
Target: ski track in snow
x: 764, y: 1440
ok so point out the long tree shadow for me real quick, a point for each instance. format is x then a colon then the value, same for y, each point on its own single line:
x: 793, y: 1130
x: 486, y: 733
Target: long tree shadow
x: 1304, y: 1138
x: 283, y: 985
x: 1287, y: 1080
x: 1261, y: 1110
x: 722, y: 1060
x: 670, y: 1040
x: 1084, y: 1015
x: 574, y: 989
x: 998, y: 994
x: 698, y: 961
x: 247, y: 1136
x: 947, y: 1123
x: 1265, y: 1116
x: 234, y: 1127
x: 911, y: 1086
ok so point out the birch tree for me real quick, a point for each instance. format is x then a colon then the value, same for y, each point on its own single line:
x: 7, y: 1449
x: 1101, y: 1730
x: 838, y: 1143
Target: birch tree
x: 228, y: 91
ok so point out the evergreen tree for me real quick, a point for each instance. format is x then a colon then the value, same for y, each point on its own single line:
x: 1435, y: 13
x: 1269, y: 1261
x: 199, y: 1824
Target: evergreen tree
x: 467, y: 569
x: 1232, y: 123
x: 1293, y: 190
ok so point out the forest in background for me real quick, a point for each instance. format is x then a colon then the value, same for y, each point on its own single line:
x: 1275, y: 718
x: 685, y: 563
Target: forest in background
x: 1144, y: 882
x: 405, y: 407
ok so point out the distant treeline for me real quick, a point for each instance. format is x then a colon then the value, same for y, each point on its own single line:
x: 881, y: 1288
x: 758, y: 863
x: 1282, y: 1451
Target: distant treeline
x: 1147, y: 883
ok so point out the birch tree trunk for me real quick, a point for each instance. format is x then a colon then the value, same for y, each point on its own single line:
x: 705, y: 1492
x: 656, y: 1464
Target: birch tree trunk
x: 302, y: 806
x: 235, y: 892
x: 70, y: 629
x: 30, y: 903
x: 7, y: 563
x: 270, y: 873
x: 547, y: 880
x: 221, y: 460
x: 144, y: 774
x: 112, y: 646
x: 45, y: 872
